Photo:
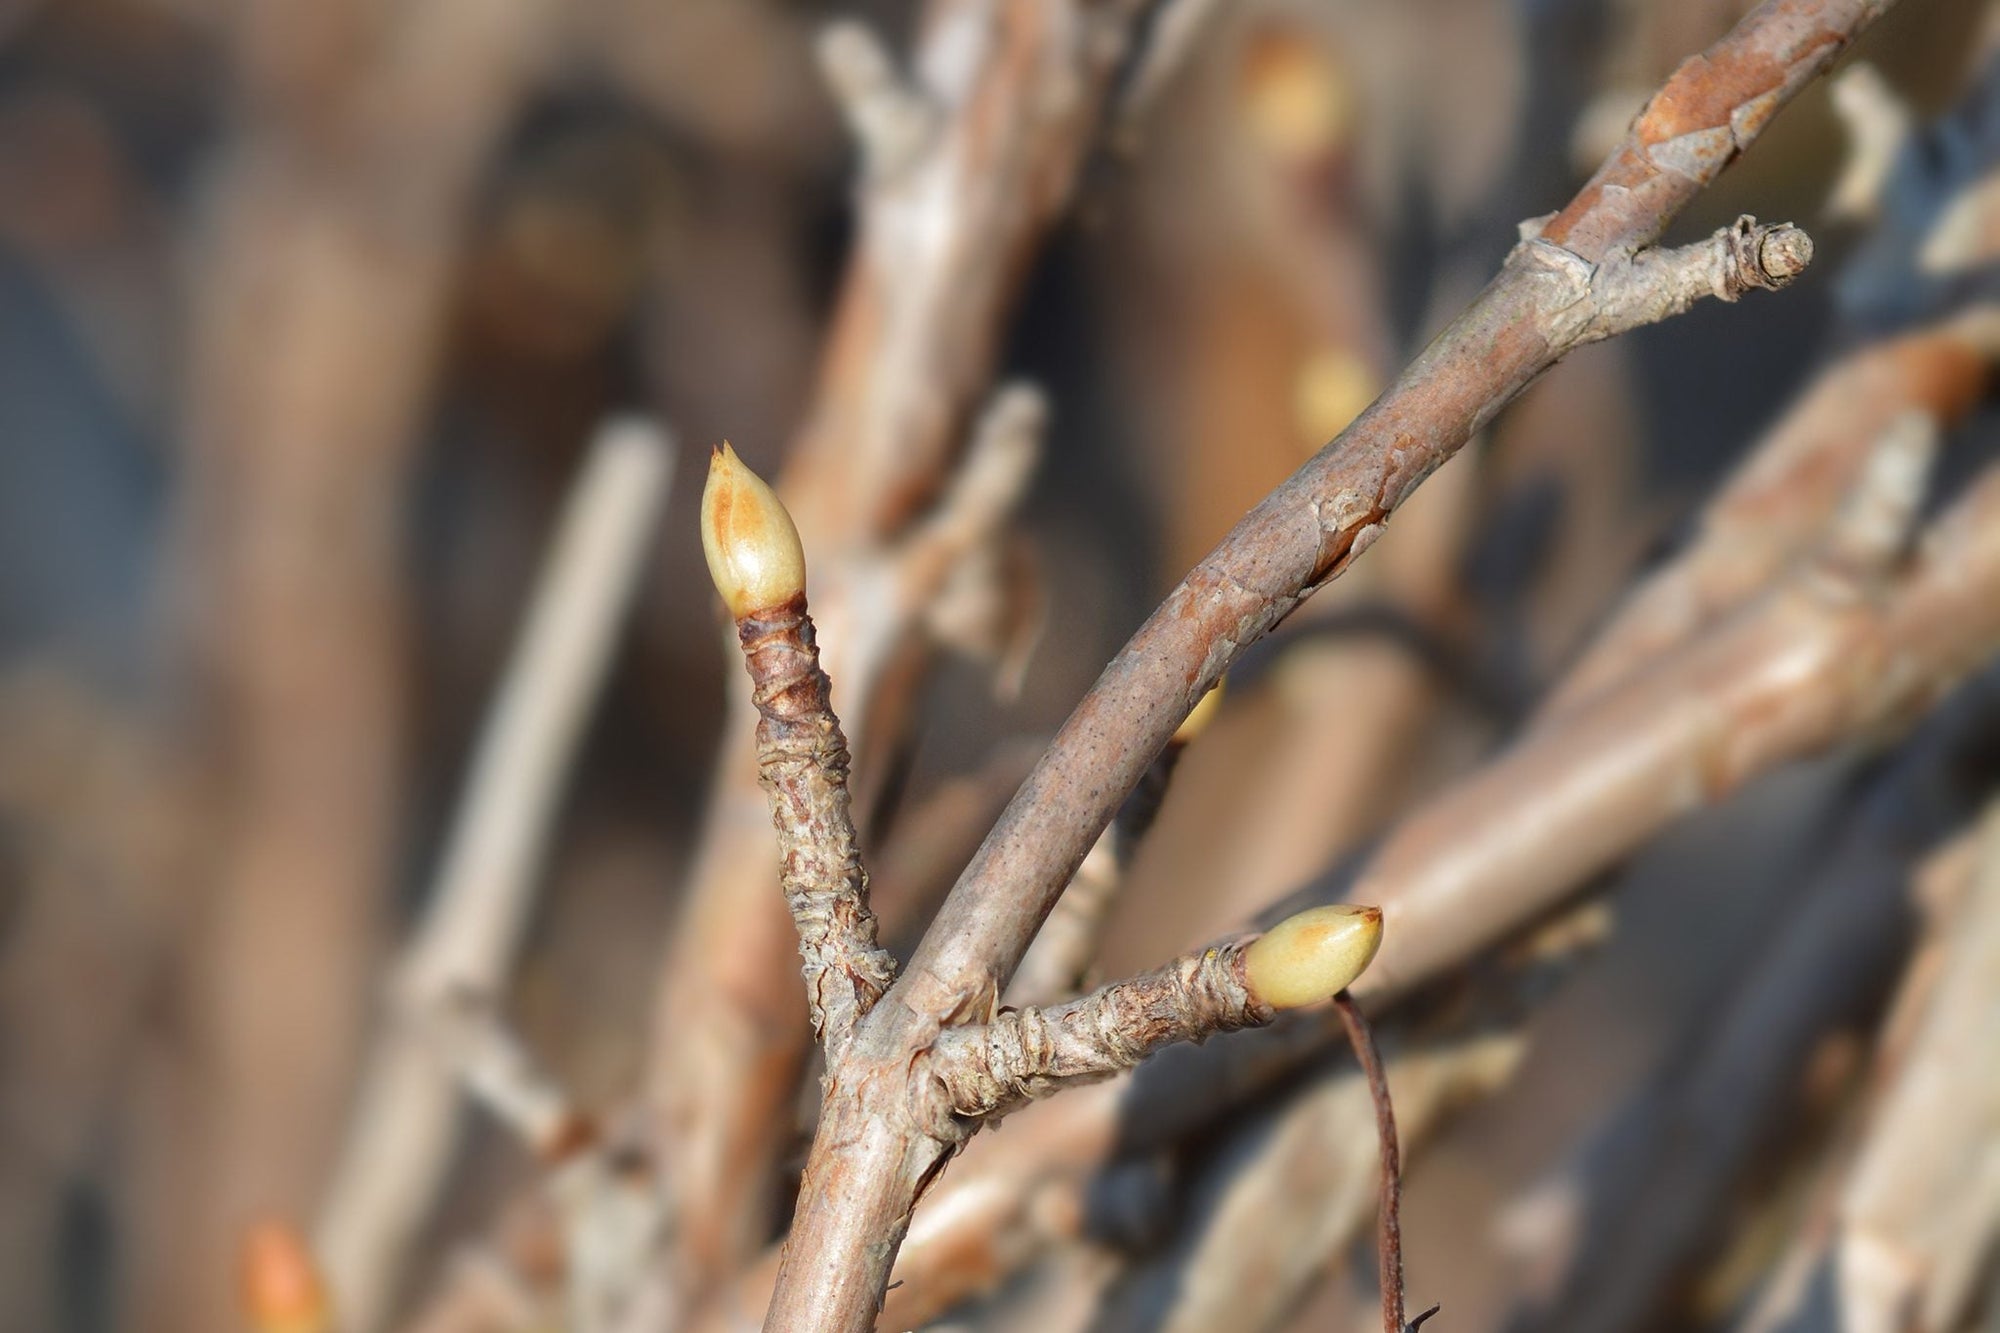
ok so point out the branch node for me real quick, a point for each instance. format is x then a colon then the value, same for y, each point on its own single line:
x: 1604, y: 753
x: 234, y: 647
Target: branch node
x: 1763, y: 256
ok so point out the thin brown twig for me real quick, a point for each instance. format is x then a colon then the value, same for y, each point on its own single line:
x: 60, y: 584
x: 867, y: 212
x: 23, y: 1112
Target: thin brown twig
x: 758, y: 564
x: 1389, y: 1206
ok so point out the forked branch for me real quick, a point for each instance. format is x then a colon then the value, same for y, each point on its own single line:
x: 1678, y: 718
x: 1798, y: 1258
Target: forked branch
x: 1585, y: 276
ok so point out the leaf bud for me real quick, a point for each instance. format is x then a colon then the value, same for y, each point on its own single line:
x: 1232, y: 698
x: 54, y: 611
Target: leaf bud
x: 753, y: 550
x: 1312, y: 956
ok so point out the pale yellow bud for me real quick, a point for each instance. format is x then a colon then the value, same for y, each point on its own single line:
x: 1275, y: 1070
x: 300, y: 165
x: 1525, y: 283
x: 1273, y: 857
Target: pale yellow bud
x: 753, y: 550
x: 1204, y: 712
x: 1312, y: 956
x: 282, y: 1288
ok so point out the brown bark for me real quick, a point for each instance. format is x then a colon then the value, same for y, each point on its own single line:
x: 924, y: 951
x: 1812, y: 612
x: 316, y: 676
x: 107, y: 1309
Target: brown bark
x: 872, y: 1157
x: 946, y: 233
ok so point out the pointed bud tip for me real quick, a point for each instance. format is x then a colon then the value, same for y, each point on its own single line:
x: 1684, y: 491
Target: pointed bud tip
x: 282, y: 1290
x: 1312, y: 956
x: 753, y: 550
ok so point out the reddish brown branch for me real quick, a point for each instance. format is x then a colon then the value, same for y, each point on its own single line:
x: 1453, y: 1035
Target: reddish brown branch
x: 802, y: 763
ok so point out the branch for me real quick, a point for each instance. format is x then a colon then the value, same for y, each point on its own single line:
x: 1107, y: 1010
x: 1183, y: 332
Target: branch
x: 945, y: 237
x: 325, y: 281
x: 1921, y: 1212
x: 986, y: 1070
x: 1659, y: 734
x: 1545, y: 302
x: 1940, y: 886
x: 1643, y: 1205
x: 758, y: 566
x: 855, y: 1202
x: 401, y: 1137
x: 1878, y: 123
x: 991, y: 1068
x: 1780, y: 498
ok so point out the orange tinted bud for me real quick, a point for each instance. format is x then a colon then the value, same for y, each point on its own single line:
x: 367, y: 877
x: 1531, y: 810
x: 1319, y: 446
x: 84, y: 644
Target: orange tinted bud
x: 1312, y: 956
x: 753, y: 550
x: 282, y: 1289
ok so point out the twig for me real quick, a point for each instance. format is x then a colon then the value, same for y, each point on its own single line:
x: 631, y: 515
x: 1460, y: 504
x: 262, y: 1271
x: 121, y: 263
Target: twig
x: 1173, y: 31
x: 400, y: 1140
x: 758, y: 566
x: 944, y: 239
x: 1877, y: 123
x: 1940, y: 886
x: 892, y: 121
x: 1582, y: 279
x: 1389, y: 1206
